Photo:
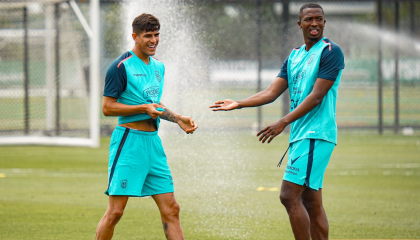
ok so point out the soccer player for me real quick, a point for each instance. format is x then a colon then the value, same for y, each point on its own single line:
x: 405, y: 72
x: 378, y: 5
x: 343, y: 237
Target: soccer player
x: 312, y: 74
x: 137, y: 162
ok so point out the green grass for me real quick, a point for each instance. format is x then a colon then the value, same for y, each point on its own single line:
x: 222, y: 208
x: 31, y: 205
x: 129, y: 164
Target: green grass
x: 371, y: 189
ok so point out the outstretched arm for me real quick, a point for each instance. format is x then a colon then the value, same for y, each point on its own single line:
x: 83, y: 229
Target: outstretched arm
x: 110, y: 107
x: 185, y: 122
x: 321, y: 88
x: 276, y: 88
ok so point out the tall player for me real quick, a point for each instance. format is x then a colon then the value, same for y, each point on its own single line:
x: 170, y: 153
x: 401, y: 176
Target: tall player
x: 312, y: 73
x: 137, y: 161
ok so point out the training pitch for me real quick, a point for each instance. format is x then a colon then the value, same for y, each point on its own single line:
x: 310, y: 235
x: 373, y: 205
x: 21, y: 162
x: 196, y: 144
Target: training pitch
x: 225, y: 183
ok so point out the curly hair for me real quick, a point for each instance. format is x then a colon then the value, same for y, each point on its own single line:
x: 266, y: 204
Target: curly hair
x: 146, y: 22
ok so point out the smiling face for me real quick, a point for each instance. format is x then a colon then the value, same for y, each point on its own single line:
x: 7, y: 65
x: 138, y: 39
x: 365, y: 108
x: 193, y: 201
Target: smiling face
x: 145, y: 35
x: 146, y: 43
x: 312, y: 22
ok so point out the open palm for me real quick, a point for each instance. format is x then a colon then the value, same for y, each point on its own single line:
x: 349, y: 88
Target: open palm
x: 225, y: 105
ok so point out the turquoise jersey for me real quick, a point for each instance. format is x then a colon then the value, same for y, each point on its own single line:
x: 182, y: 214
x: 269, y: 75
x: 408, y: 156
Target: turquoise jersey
x: 303, y: 68
x: 132, y: 82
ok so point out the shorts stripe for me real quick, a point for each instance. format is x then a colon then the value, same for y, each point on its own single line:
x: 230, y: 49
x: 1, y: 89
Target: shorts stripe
x: 310, y: 161
x: 117, y: 155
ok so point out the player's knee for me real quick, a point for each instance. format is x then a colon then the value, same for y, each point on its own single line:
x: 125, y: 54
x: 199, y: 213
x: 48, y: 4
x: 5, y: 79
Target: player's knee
x: 284, y: 199
x: 171, y: 212
x: 115, y: 215
x: 287, y: 200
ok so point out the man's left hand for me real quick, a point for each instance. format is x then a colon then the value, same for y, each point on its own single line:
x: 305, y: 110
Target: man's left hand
x: 271, y: 131
x: 187, y: 124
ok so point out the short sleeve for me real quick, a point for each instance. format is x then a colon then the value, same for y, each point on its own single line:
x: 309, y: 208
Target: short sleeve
x: 283, y: 70
x: 332, y: 61
x: 115, y: 80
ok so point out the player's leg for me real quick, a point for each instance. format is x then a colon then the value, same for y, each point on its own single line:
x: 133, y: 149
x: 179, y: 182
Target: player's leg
x: 312, y: 200
x: 113, y: 214
x: 290, y: 197
x: 160, y: 186
x: 169, y: 212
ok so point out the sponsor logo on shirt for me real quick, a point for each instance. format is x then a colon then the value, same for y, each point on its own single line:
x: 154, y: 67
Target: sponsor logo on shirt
x: 295, y: 63
x: 298, y: 76
x: 151, y: 92
x: 158, y: 77
x: 140, y: 75
x: 296, y: 90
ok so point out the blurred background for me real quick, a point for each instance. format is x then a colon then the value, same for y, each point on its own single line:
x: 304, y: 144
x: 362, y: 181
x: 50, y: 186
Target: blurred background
x: 212, y: 50
x: 53, y: 61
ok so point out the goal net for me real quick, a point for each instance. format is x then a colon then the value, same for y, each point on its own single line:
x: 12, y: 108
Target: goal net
x: 49, y: 72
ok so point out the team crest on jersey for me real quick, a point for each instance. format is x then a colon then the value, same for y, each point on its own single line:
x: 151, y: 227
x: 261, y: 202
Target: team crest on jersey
x: 158, y: 77
x: 311, y: 59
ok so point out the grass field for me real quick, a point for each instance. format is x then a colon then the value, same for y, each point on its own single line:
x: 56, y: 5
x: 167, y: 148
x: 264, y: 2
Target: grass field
x: 371, y: 189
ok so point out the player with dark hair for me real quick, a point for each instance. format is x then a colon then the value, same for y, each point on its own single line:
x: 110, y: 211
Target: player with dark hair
x: 312, y: 74
x: 137, y: 162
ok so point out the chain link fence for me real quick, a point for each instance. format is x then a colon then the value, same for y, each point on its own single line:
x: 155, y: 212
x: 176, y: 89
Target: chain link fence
x: 44, y: 70
x: 212, y: 50
x: 371, y: 34
x: 245, y: 42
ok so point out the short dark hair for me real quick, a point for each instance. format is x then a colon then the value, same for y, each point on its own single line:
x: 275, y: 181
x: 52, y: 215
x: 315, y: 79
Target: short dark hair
x: 310, y: 5
x: 146, y: 22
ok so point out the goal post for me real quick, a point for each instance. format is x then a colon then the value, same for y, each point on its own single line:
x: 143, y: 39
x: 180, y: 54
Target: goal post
x: 49, y: 73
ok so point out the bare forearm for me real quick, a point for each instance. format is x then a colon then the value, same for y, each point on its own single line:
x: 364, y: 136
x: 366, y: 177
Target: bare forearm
x: 258, y: 99
x: 310, y: 102
x: 169, y: 115
x: 119, y: 109
x: 276, y: 88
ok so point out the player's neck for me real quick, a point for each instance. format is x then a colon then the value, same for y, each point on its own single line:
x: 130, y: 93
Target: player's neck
x: 141, y: 55
x: 311, y: 42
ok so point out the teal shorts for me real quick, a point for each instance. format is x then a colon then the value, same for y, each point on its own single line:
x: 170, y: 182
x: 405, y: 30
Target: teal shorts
x: 308, y: 159
x: 137, y: 164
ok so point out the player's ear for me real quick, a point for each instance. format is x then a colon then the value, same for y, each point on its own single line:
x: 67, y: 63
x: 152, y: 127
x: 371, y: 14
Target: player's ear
x: 299, y: 24
x: 134, y: 36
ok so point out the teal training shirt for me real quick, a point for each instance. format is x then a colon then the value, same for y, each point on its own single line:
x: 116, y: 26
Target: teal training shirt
x: 301, y: 69
x: 132, y: 82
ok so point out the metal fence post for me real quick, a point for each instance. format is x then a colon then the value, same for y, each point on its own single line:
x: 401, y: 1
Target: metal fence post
x: 259, y: 30
x: 57, y: 69
x: 26, y: 68
x: 397, y: 80
x: 285, y: 52
x: 380, y: 106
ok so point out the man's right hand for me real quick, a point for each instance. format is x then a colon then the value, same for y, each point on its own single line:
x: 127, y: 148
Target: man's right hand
x: 225, y: 105
x: 151, y: 110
